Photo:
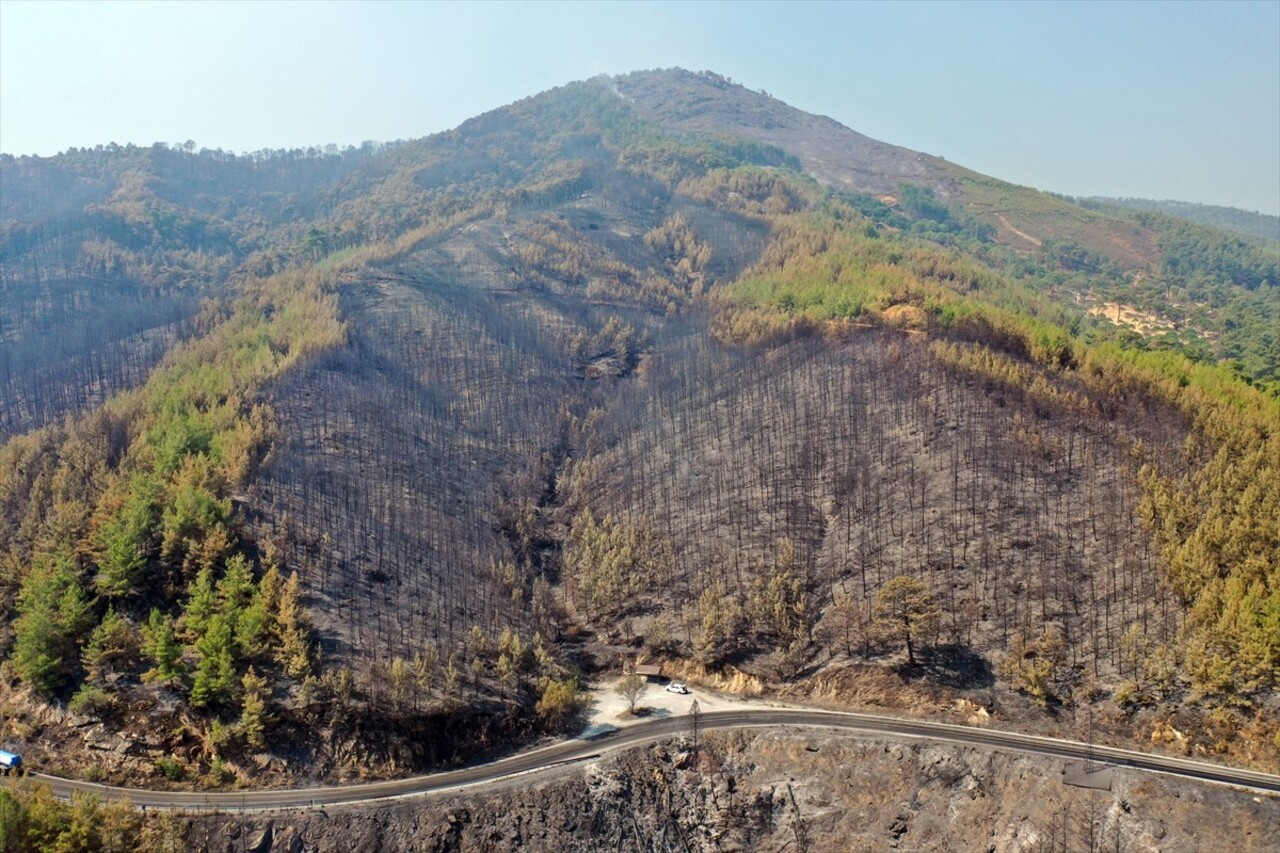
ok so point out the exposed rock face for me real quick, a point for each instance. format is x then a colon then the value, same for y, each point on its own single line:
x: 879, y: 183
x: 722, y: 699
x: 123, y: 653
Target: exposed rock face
x: 779, y: 791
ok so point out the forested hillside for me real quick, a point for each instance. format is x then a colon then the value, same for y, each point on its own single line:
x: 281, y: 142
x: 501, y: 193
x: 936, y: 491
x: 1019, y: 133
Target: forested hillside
x: 1262, y: 227
x: 349, y: 461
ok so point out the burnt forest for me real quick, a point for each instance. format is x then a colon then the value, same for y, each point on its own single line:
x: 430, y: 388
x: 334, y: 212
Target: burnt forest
x: 347, y: 463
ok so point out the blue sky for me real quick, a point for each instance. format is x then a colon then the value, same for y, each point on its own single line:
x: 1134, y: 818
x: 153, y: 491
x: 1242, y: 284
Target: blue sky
x: 1161, y: 100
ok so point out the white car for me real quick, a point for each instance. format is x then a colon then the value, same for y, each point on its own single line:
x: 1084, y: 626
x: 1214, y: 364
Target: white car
x: 677, y: 687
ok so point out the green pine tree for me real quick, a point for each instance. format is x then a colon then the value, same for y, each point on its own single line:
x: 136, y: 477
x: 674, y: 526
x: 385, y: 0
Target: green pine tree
x: 162, y: 647
x: 215, y: 675
x: 253, y: 709
x: 54, y: 615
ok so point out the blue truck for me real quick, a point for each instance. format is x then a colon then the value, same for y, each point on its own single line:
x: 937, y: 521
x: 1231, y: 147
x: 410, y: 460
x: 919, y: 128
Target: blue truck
x: 10, y: 762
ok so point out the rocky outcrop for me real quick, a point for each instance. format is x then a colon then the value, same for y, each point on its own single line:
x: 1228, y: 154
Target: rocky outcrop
x: 777, y: 791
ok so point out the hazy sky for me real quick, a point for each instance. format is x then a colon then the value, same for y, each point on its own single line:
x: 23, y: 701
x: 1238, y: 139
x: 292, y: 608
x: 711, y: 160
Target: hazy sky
x: 1158, y: 100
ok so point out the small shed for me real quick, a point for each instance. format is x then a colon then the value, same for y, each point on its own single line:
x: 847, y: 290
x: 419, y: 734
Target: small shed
x: 649, y: 671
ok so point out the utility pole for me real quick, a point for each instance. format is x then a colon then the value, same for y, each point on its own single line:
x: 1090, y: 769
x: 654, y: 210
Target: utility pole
x: 695, y: 721
x: 1090, y: 764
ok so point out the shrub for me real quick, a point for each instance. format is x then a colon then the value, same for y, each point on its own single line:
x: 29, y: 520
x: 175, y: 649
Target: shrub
x: 220, y: 773
x: 560, y: 698
x: 91, y: 700
x: 171, y: 769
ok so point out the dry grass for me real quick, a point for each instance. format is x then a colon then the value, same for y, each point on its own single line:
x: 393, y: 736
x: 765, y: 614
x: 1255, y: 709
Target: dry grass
x: 858, y: 686
x: 731, y: 680
x: 1020, y: 213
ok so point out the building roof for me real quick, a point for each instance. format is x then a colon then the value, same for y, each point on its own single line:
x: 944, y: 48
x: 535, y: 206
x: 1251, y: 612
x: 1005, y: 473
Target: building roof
x: 649, y: 669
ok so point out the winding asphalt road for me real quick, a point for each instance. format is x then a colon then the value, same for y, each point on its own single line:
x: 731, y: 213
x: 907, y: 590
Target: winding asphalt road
x: 564, y: 755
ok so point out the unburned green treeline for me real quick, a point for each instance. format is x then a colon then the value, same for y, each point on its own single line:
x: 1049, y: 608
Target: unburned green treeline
x: 122, y: 550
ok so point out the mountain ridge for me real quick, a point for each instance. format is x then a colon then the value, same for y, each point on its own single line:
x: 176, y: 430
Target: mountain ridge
x: 1246, y: 223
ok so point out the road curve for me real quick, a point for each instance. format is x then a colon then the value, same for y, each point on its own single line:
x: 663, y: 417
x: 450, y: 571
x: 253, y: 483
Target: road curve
x: 562, y: 755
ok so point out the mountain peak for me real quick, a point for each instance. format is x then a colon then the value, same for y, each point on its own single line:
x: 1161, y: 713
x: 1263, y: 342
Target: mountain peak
x: 708, y: 104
